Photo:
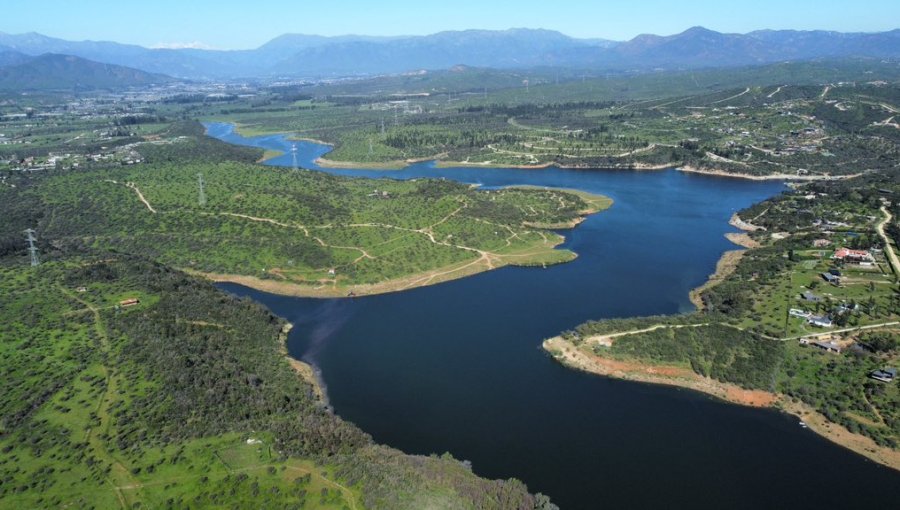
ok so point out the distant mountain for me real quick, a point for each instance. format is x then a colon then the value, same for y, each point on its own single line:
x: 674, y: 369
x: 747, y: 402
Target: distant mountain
x: 299, y: 55
x: 63, y: 72
x: 11, y: 58
x: 699, y: 47
x: 516, y: 48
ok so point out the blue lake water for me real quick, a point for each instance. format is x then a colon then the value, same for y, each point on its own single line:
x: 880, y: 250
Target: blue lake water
x: 458, y: 367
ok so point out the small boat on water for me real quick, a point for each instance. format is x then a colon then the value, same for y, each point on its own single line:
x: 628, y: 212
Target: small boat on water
x: 803, y: 424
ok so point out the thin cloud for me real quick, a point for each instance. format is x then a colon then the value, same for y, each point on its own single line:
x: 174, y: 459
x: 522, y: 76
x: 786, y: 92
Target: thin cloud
x: 195, y: 45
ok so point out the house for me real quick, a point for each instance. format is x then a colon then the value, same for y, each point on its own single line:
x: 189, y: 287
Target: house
x: 831, y: 278
x: 129, y: 302
x: 884, y: 375
x: 846, y: 254
x: 809, y: 296
x: 822, y: 321
x: 821, y: 243
x: 827, y: 346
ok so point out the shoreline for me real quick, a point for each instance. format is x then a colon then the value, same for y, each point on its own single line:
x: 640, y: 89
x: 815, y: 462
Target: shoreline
x: 324, y: 162
x: 434, y: 276
x: 726, y: 265
x: 576, y: 358
x: 470, y: 267
x: 770, y: 177
x: 736, y: 222
x: 325, y: 291
x: 304, y: 370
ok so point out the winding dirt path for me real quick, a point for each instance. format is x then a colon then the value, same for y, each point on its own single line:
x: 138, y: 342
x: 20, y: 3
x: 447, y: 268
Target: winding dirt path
x: 119, y: 474
x: 141, y: 196
x: 888, y: 248
x: 747, y: 90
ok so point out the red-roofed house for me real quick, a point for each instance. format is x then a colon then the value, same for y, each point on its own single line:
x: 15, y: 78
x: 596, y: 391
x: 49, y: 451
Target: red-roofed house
x: 853, y: 255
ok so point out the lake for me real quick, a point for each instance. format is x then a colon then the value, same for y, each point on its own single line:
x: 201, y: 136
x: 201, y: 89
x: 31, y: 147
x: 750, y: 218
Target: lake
x: 458, y: 367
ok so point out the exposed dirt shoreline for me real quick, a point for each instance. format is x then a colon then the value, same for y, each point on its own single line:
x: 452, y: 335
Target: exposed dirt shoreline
x: 726, y: 265
x: 304, y: 370
x: 487, y: 262
x: 571, y: 356
x: 285, y: 288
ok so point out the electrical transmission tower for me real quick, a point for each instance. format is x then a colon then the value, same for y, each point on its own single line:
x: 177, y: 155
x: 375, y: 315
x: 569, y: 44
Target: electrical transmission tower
x: 370, y: 146
x: 294, y: 156
x: 32, y: 249
x: 201, y: 195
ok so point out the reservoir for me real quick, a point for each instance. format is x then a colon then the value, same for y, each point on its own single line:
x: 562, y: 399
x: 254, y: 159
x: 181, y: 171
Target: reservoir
x: 457, y: 367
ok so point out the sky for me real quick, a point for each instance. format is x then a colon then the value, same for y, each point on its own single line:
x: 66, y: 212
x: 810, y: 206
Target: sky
x: 225, y: 24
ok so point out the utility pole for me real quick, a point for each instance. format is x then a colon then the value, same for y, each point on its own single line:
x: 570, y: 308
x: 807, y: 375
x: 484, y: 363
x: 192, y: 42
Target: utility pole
x: 32, y: 249
x: 201, y: 196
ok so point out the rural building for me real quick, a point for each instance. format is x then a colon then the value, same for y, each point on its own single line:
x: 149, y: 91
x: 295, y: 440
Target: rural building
x: 848, y: 255
x: 820, y: 321
x: 831, y: 278
x: 884, y: 375
x: 129, y: 302
x: 799, y: 313
x: 828, y: 346
x: 821, y: 243
x: 809, y: 296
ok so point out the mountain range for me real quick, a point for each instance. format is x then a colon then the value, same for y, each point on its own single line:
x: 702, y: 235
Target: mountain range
x: 52, y: 71
x: 298, y: 55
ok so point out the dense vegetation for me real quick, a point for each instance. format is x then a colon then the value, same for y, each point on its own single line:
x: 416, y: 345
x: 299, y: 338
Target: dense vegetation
x: 151, y: 405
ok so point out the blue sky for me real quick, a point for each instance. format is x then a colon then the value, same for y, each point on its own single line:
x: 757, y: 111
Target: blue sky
x: 234, y: 25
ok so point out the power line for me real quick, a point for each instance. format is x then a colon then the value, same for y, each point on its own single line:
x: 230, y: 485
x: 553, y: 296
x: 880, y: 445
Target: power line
x: 32, y: 249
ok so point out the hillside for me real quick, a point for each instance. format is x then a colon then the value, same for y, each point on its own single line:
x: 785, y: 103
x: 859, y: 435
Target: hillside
x: 57, y: 72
